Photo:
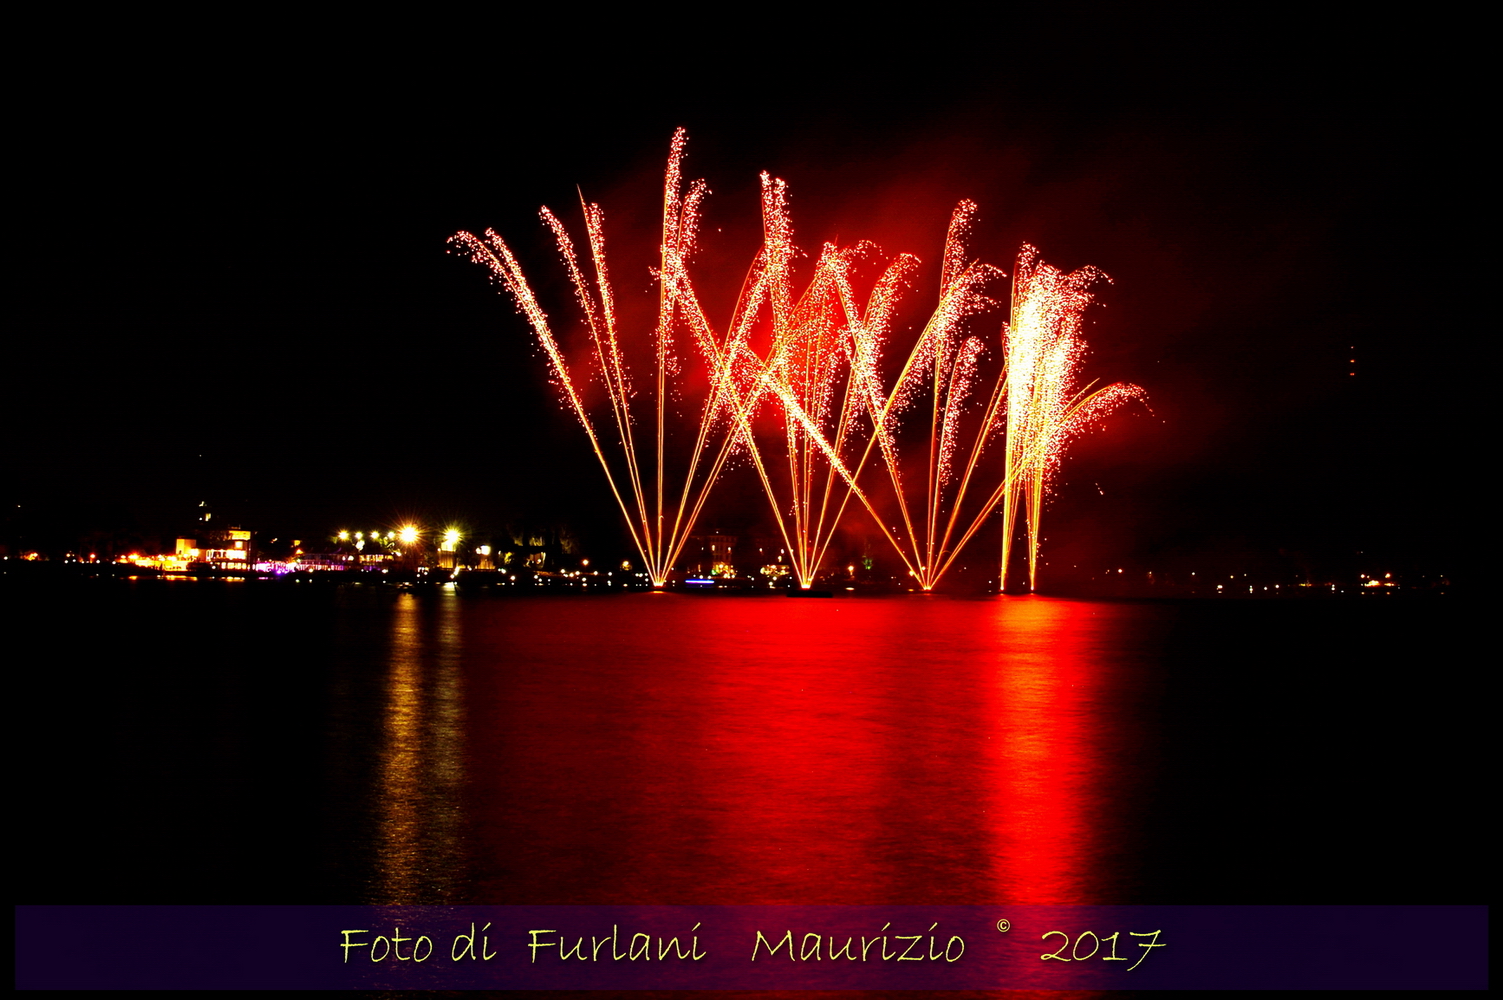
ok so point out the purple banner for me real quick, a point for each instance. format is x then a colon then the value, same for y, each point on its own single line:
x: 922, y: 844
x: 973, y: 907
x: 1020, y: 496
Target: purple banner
x: 751, y: 947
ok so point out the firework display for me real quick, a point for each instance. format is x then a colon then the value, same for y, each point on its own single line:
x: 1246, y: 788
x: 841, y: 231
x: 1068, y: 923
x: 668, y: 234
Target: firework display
x: 809, y: 365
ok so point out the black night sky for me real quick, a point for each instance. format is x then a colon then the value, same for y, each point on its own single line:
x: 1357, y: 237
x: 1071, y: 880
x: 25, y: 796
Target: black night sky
x: 241, y: 292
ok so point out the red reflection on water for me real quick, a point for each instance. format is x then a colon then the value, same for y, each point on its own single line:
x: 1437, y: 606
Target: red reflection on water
x: 1043, y: 755
x: 670, y: 749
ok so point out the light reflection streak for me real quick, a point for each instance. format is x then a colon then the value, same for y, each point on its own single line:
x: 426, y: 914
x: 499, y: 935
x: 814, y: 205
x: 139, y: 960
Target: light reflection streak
x: 420, y: 771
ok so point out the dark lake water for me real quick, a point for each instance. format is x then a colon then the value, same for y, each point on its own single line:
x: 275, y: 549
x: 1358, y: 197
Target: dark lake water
x: 200, y: 742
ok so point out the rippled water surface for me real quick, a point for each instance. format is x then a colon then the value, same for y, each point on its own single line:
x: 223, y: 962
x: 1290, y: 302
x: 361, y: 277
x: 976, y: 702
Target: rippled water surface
x: 230, y: 743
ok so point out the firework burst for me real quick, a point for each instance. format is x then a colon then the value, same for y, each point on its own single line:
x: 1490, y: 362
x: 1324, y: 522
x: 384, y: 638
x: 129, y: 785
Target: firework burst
x: 659, y: 521
x: 942, y: 371
x: 1045, y: 409
x: 820, y: 362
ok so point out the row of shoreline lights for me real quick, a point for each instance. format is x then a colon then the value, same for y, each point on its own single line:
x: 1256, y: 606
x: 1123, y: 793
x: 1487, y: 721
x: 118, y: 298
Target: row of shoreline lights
x: 408, y: 534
